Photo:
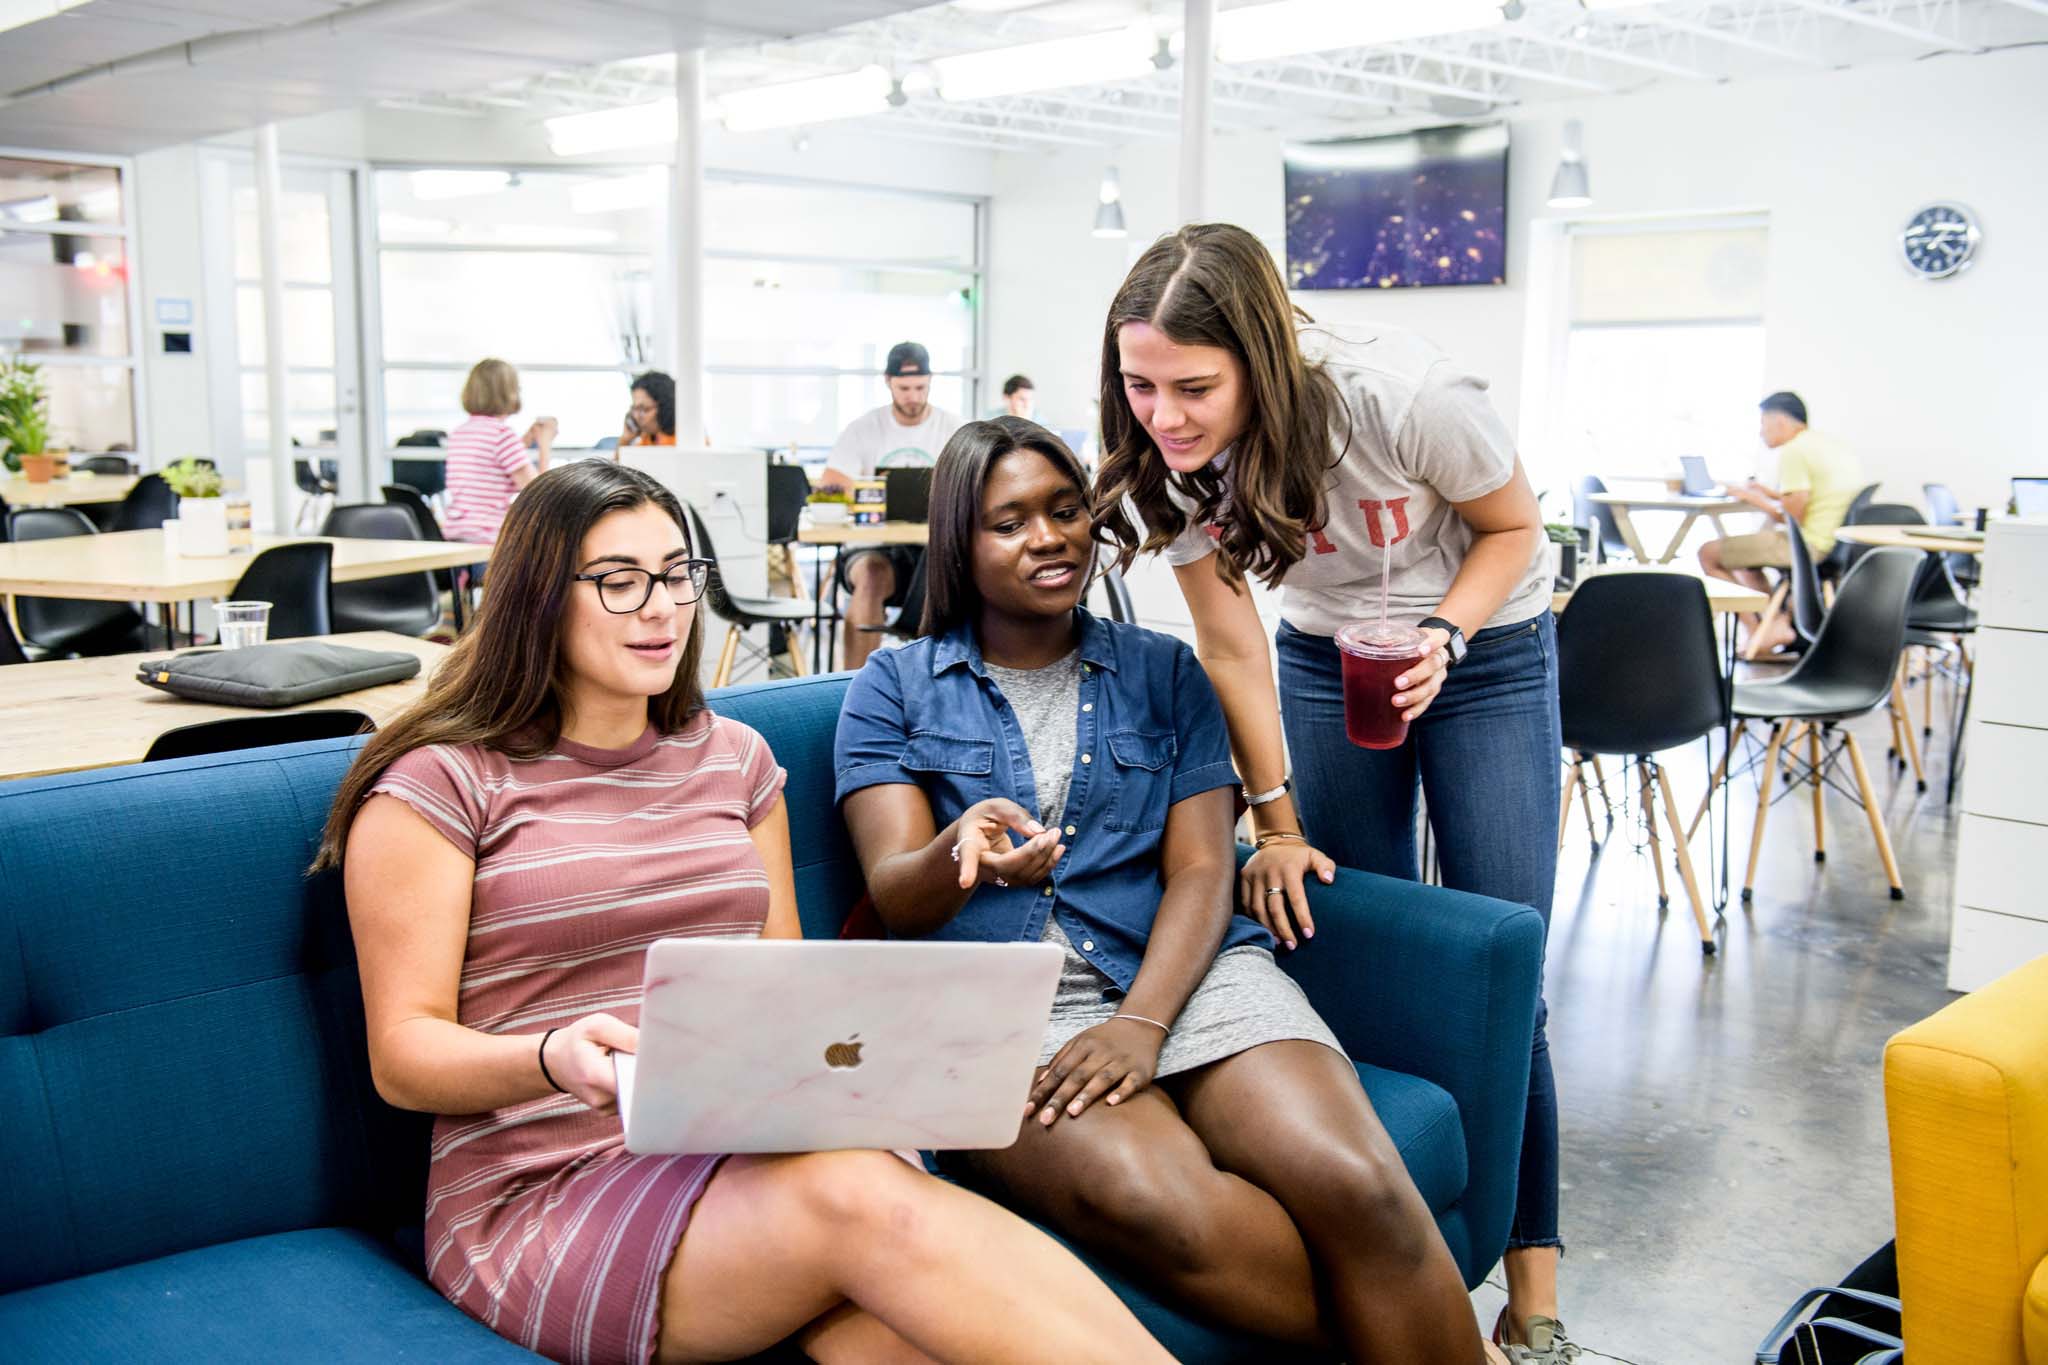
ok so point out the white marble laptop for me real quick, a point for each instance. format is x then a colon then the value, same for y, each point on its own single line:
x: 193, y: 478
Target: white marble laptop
x: 791, y: 1045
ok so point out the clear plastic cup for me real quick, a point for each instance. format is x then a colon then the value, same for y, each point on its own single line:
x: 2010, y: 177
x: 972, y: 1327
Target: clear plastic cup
x: 1373, y: 656
x: 243, y: 623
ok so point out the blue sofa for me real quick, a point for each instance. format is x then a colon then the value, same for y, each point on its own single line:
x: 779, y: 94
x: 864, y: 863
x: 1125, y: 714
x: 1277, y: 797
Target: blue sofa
x: 193, y: 1161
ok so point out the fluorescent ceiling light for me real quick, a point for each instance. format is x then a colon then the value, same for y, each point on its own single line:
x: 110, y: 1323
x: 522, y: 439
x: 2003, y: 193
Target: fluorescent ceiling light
x: 618, y: 193
x: 606, y: 130
x: 855, y: 94
x: 15, y: 13
x: 428, y: 185
x: 1291, y: 27
x: 1092, y: 59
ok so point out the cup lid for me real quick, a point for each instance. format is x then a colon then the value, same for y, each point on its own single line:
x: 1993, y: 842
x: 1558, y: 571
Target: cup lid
x: 1371, y: 640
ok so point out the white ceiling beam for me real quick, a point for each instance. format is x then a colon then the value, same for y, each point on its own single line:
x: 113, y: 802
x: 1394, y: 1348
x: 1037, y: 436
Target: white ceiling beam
x: 1309, y: 92
x: 1731, y: 39
x: 1395, y: 79
x: 1616, y: 55
x: 1923, y: 36
x: 1447, y: 60
x: 879, y: 122
x: 2031, y: 6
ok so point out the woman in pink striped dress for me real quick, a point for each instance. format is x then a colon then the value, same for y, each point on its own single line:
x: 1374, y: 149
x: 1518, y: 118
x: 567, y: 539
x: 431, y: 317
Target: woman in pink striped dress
x: 560, y: 799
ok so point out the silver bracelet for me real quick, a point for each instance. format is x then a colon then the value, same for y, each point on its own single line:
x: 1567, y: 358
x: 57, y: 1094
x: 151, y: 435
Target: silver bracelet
x: 1252, y: 798
x: 1163, y: 1028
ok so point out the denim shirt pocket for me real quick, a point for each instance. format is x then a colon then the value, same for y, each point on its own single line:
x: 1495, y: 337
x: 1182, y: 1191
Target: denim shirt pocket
x: 1143, y: 772
x: 955, y: 771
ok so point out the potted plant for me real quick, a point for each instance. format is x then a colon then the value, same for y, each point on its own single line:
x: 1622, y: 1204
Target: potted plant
x: 830, y: 506
x: 1565, y: 540
x: 25, y: 420
x: 202, y: 511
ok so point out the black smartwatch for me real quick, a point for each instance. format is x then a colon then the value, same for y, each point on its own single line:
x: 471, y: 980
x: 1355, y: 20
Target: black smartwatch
x: 1455, y: 646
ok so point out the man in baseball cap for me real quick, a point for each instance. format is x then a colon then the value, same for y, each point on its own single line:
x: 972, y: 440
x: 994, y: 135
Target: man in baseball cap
x: 908, y: 432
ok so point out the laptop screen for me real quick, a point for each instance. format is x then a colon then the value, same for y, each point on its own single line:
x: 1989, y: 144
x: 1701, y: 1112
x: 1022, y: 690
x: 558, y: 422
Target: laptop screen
x: 1697, y: 479
x: 909, y: 496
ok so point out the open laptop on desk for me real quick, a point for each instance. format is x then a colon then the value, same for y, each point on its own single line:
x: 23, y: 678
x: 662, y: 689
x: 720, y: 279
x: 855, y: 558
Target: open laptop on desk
x: 1698, y: 483
x: 907, y: 494
x: 790, y: 1045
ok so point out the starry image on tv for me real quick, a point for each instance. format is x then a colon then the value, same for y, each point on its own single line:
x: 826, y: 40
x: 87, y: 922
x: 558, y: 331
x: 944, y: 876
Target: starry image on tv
x: 1400, y: 212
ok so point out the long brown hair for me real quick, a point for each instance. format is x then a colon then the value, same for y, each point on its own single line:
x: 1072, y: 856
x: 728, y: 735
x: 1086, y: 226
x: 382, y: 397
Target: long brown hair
x: 950, y: 594
x: 501, y: 685
x: 1214, y: 284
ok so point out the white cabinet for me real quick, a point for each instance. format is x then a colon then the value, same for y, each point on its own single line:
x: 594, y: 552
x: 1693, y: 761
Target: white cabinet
x: 2001, y: 896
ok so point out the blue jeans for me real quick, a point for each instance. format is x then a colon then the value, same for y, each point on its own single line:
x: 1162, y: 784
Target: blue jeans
x: 1486, y: 755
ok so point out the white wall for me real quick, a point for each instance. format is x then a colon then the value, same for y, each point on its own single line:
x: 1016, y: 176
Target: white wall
x: 166, y: 198
x: 1928, y: 381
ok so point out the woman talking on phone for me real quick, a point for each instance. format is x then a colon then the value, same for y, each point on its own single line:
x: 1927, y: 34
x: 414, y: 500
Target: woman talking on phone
x: 1354, y: 468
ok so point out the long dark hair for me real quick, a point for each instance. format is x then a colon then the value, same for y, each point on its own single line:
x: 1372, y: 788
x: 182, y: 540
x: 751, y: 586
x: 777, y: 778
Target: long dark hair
x: 950, y: 595
x: 501, y: 684
x: 662, y: 390
x: 1214, y: 284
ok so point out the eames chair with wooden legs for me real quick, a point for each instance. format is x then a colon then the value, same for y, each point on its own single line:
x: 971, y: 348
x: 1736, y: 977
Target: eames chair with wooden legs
x: 1639, y: 673
x: 1575, y: 781
x: 1850, y: 670
x: 741, y: 613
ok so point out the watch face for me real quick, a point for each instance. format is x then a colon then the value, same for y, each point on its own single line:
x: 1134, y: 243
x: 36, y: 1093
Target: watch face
x: 1940, y: 240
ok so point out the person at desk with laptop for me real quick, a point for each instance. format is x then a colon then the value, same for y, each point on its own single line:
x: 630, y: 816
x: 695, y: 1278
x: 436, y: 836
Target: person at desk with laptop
x: 908, y: 432
x: 1818, y: 478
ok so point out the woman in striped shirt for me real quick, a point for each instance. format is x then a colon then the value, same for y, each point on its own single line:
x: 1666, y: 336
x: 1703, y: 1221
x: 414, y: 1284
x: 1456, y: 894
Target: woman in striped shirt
x: 560, y: 799
x: 487, y: 460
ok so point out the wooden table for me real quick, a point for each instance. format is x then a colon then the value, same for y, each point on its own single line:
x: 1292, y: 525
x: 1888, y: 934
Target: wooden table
x: 1663, y: 500
x: 72, y: 714
x: 131, y: 566
x: 1910, y: 538
x: 1725, y: 598
x: 840, y: 537
x: 75, y: 491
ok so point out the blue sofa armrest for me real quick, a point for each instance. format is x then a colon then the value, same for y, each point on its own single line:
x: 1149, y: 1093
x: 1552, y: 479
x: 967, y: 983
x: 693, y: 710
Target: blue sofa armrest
x: 1442, y: 985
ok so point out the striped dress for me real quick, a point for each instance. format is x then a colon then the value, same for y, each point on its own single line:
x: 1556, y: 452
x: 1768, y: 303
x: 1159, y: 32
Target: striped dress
x: 482, y: 454
x: 539, y: 1223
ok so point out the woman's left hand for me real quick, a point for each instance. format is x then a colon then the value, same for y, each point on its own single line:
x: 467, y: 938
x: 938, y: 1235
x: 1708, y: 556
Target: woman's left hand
x: 1417, y: 688
x: 1116, y: 1058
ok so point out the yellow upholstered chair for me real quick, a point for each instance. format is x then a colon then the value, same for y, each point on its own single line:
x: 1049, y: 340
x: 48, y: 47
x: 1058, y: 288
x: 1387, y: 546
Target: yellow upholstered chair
x: 1966, y: 1098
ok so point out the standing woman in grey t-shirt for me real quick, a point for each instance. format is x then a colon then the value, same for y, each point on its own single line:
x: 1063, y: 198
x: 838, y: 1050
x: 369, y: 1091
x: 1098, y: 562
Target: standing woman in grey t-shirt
x: 1252, y: 443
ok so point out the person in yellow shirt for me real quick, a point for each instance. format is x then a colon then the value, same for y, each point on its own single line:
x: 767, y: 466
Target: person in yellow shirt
x: 1818, y: 477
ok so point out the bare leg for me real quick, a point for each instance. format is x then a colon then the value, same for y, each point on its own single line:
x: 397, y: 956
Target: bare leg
x: 1291, y: 1118
x: 1135, y: 1184
x: 777, y: 1243
x: 873, y: 579
x: 1532, y: 1287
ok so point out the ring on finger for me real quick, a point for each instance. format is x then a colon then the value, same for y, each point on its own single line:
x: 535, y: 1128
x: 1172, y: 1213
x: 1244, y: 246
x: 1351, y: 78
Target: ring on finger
x: 1276, y: 890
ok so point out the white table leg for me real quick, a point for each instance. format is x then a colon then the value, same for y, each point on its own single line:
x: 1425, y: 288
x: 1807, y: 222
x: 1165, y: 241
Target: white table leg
x: 1628, y: 533
x: 1678, y: 538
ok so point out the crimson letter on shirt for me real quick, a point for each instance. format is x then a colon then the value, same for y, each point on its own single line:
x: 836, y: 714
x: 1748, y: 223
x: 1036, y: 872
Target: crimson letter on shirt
x: 1372, y: 507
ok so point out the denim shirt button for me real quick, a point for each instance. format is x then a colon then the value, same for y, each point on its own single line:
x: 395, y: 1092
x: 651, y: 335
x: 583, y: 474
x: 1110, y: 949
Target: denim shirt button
x: 1087, y: 758
x: 1087, y: 706
x: 1048, y: 891
x: 1070, y: 829
x: 1087, y: 945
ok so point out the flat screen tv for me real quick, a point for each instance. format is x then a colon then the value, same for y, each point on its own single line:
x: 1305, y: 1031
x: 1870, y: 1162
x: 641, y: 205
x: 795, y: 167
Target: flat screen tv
x: 1401, y: 212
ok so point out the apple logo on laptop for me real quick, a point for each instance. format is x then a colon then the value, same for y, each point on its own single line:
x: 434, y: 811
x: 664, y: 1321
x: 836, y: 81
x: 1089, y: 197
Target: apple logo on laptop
x: 844, y: 1056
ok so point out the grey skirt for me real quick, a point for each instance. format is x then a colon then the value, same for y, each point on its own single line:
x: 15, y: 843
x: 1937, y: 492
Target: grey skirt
x: 1245, y: 1000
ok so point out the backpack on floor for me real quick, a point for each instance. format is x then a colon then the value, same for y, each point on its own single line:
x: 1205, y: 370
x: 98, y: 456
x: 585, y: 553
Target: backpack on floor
x: 1856, y: 1323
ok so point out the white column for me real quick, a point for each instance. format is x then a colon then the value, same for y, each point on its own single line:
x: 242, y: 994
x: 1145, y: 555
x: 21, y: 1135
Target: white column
x: 269, y: 201
x: 1198, y: 59
x: 686, y: 247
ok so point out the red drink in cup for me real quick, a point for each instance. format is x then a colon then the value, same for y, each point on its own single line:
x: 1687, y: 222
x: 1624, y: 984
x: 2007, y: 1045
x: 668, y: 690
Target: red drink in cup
x: 1373, y: 656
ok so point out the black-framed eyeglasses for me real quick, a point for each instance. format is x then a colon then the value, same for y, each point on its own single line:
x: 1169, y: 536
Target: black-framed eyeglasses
x: 625, y: 590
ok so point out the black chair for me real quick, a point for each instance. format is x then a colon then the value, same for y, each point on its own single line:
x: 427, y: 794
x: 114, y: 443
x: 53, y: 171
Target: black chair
x: 298, y: 582
x: 1802, y: 581
x: 103, y: 464
x: 445, y: 580
x: 256, y: 732
x: 1116, y: 595
x: 1599, y: 516
x: 906, y: 620
x: 317, y: 487
x: 10, y: 648
x: 789, y: 488
x: 65, y: 625
x: 1850, y: 670
x: 147, y: 507
x: 1670, y: 692
x: 430, y: 477
x: 407, y: 603
x: 742, y: 613
x: 1838, y: 558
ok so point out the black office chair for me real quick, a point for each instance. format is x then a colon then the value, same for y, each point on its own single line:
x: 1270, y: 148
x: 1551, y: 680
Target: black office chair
x: 789, y: 488
x: 298, y: 582
x: 103, y: 464
x: 10, y: 647
x: 1116, y: 596
x: 73, y: 626
x: 1802, y: 581
x: 1838, y: 558
x: 149, y: 504
x: 905, y: 621
x: 445, y: 580
x: 1599, y: 516
x: 405, y: 603
x: 742, y: 613
x: 318, y: 487
x: 1639, y: 673
x: 1850, y: 670
x: 256, y: 732
x: 430, y: 477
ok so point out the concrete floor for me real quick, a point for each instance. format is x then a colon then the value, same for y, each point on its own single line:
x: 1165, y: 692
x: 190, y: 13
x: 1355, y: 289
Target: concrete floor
x: 1723, y: 1118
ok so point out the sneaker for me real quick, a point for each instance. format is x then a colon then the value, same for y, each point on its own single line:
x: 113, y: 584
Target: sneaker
x: 1547, y: 1344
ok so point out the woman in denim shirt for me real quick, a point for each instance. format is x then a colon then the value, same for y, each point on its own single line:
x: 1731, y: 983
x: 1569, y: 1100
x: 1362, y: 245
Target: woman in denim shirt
x: 1255, y: 1169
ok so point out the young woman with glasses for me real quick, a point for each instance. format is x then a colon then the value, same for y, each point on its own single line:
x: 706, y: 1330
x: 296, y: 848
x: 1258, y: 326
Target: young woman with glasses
x: 560, y: 799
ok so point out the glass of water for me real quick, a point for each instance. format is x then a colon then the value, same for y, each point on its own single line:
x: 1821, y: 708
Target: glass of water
x: 243, y: 623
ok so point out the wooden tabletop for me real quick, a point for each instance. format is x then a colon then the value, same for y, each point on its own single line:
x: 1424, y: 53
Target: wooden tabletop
x: 71, y: 492
x: 1664, y: 500
x: 884, y: 533
x: 72, y: 714
x: 1909, y: 537
x: 1722, y: 595
x: 131, y: 566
